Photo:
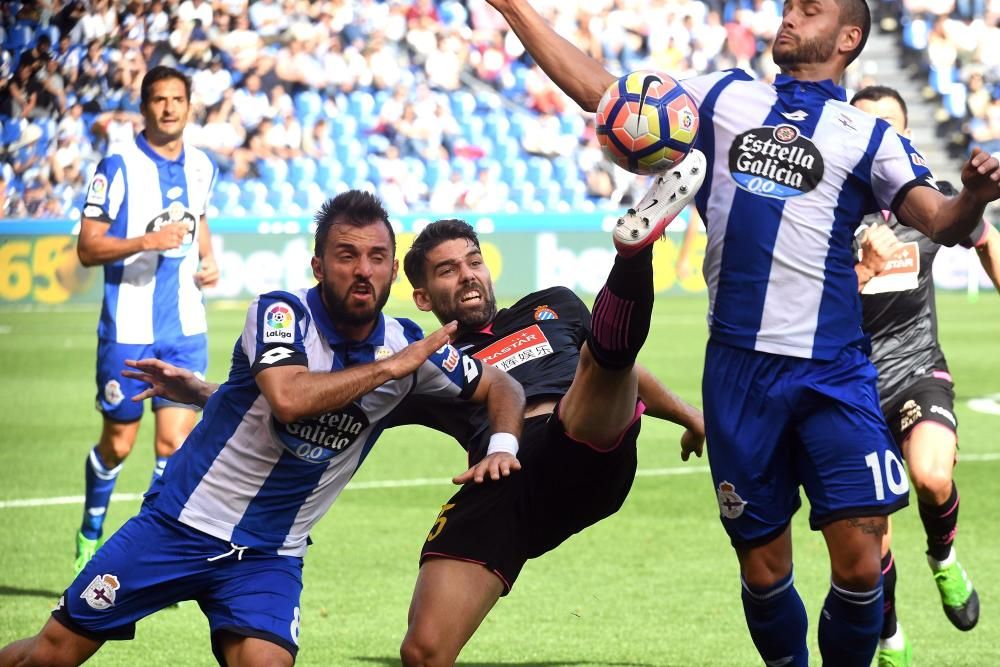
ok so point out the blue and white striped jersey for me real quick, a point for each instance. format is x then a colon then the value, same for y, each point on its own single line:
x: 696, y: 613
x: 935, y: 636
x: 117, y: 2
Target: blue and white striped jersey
x: 792, y: 170
x: 151, y: 295
x: 243, y: 476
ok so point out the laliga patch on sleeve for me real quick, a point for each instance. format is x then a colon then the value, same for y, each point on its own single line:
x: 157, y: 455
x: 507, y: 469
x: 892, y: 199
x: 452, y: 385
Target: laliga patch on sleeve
x: 279, y: 323
x: 98, y: 192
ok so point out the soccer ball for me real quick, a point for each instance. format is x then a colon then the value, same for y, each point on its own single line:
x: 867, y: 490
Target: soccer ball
x: 646, y: 122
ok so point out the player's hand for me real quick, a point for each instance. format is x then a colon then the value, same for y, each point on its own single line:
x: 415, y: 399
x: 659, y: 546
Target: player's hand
x: 166, y: 380
x: 496, y: 465
x: 878, y: 245
x: 167, y: 237
x: 208, y: 273
x: 410, y: 358
x: 692, y: 442
x: 981, y: 176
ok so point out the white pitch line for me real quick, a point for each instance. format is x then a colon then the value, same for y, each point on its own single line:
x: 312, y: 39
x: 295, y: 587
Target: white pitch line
x: 693, y: 469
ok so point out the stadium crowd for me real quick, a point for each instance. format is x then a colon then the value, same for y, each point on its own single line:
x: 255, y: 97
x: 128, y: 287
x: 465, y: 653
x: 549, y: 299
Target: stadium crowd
x: 434, y: 102
x: 955, y: 44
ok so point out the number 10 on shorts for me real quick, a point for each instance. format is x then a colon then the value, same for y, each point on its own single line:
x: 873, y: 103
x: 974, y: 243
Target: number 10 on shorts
x: 894, y: 475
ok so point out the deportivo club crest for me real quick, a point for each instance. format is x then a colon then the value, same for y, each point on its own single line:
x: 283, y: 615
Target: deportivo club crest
x: 730, y: 503
x: 100, y: 593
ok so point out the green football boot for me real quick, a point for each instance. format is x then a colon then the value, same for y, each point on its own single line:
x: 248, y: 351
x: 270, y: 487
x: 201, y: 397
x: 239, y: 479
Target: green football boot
x: 958, y: 597
x: 888, y: 657
x: 85, y: 550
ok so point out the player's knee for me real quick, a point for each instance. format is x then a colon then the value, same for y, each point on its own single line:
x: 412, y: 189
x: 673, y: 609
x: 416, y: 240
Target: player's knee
x: 167, y: 445
x: 931, y: 482
x: 419, y: 650
x: 858, y: 574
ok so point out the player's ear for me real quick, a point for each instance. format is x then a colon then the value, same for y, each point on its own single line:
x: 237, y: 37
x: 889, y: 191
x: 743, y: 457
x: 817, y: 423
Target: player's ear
x: 395, y: 270
x: 422, y: 299
x: 317, y: 267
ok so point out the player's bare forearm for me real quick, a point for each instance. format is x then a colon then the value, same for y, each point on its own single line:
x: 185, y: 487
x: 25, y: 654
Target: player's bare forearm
x: 665, y: 404
x: 989, y: 255
x: 95, y: 246
x: 296, y: 393
x: 504, y: 399
x: 576, y: 73
x: 948, y: 220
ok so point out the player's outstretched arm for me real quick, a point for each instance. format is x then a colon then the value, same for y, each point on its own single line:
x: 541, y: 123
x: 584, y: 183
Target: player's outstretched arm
x: 665, y: 404
x: 504, y: 399
x: 95, y: 246
x: 948, y: 220
x: 295, y: 393
x: 989, y: 255
x: 168, y: 381
x: 576, y: 73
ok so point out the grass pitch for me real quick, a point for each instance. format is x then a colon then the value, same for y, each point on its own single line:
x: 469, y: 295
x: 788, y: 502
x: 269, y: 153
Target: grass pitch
x: 656, y: 584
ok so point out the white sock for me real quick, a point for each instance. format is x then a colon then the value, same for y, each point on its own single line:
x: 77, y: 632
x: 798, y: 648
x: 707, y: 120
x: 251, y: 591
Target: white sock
x: 894, y: 643
x: 941, y: 564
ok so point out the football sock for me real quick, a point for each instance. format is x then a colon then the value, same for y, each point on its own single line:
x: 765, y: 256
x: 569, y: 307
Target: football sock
x: 100, y: 482
x: 889, y: 596
x: 940, y: 524
x: 161, y: 463
x: 622, y: 312
x: 849, y: 626
x: 777, y: 622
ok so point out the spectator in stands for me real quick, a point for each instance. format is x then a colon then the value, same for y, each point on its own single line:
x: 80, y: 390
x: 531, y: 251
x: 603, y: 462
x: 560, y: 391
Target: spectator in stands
x: 251, y: 101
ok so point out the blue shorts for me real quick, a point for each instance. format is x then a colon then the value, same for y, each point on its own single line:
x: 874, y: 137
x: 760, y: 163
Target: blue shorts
x: 774, y: 422
x: 154, y: 561
x: 115, y: 392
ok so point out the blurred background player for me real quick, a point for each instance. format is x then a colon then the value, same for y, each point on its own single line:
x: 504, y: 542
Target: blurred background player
x: 144, y: 220
x: 915, y: 388
x: 584, y: 395
x: 789, y: 394
x: 314, y: 375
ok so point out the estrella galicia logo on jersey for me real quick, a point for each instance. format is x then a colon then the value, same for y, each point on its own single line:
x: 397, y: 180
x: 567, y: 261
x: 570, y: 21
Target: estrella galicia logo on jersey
x: 279, y: 322
x: 383, y: 352
x: 730, y: 503
x: 319, y: 439
x: 100, y: 593
x: 175, y: 212
x: 545, y: 313
x: 775, y: 161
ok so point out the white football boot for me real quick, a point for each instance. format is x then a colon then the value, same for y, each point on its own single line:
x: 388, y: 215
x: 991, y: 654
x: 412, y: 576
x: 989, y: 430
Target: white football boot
x: 671, y: 192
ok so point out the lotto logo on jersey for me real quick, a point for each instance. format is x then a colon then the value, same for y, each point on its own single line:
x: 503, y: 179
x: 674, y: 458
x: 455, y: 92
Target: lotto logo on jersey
x: 101, y: 592
x: 279, y: 323
x: 516, y: 349
x: 775, y: 162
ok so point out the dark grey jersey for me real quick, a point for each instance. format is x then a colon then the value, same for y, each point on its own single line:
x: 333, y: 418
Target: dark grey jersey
x: 899, y: 310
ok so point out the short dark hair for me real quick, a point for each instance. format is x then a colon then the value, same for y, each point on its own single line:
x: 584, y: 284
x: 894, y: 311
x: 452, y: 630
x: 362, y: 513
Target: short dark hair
x: 857, y: 13
x: 160, y: 73
x: 876, y: 93
x: 433, y: 235
x: 355, y: 208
